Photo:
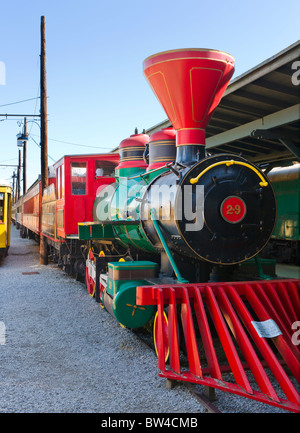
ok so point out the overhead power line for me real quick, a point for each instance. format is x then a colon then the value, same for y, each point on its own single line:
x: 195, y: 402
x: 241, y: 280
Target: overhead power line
x: 76, y: 144
x: 20, y: 115
x: 39, y: 145
x: 19, y: 102
x: 11, y: 159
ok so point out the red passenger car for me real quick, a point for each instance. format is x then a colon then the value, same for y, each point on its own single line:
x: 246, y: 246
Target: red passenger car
x: 78, y: 178
x: 70, y: 201
x: 31, y: 209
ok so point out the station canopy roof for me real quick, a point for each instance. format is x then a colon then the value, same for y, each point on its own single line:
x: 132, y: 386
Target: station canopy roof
x: 259, y: 114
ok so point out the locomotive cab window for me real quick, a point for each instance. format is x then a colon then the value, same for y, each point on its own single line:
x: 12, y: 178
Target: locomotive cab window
x: 104, y: 168
x: 78, y: 174
x: 1, y: 208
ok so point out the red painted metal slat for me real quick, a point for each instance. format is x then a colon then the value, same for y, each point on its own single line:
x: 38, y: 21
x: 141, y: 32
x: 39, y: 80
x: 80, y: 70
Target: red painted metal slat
x: 246, y: 347
x: 276, y: 311
x: 232, y: 388
x: 206, y: 336
x: 227, y: 342
x: 272, y: 302
x: 190, y: 336
x: 160, y: 340
x: 282, y: 346
x: 238, y: 311
x: 295, y: 297
x: 264, y: 348
x: 173, y: 334
x: 287, y: 302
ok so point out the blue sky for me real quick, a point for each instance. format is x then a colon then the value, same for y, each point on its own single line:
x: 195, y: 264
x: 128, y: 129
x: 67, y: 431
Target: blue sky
x: 97, y: 93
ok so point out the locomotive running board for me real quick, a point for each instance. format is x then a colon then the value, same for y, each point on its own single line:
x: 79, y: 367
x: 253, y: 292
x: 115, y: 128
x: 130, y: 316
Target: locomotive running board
x: 103, y: 230
x: 256, y: 323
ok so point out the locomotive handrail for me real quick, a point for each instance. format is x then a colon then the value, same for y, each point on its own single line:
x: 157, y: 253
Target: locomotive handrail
x: 180, y: 279
x: 110, y: 222
x: 228, y: 163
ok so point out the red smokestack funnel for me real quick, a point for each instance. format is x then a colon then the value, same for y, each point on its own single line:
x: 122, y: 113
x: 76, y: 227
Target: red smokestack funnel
x: 189, y: 83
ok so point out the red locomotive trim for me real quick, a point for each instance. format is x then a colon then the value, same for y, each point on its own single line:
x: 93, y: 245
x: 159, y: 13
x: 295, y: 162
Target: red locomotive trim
x: 162, y: 148
x: 130, y: 146
x: 203, y: 76
x: 162, y: 142
x: 190, y: 136
x: 131, y: 151
x: 233, y: 209
x: 130, y: 158
x: 186, y: 54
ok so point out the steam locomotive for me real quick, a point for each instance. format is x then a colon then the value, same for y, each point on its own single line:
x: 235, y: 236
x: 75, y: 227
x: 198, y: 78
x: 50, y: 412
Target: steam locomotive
x: 176, y: 213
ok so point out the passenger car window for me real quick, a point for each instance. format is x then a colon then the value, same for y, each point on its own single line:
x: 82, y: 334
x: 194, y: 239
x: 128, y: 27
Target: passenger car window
x: 62, y: 180
x: 1, y: 207
x: 58, y: 176
x: 78, y: 178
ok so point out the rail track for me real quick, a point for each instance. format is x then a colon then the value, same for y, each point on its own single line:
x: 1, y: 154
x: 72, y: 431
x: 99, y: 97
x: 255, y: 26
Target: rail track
x: 205, y: 398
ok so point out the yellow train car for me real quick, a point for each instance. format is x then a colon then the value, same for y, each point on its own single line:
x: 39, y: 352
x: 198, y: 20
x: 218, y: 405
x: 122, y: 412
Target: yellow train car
x: 5, y: 217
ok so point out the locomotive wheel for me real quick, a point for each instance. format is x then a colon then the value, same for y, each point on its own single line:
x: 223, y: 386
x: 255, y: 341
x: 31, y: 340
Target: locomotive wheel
x: 90, y: 283
x: 166, y: 335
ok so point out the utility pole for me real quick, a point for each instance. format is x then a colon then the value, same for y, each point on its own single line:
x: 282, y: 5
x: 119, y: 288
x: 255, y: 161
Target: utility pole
x: 44, y: 128
x: 44, y: 135
x: 14, y: 192
x: 19, y: 177
x: 24, y: 156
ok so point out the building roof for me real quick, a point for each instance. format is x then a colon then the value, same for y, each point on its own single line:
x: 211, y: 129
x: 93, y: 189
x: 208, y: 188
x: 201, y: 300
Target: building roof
x: 259, y: 114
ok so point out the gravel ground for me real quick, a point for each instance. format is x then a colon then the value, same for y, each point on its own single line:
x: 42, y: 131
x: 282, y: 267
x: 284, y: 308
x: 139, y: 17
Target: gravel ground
x: 63, y: 353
